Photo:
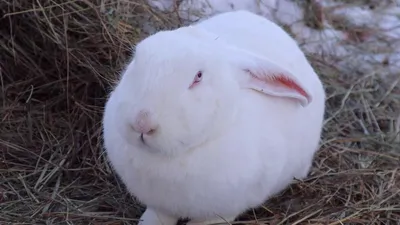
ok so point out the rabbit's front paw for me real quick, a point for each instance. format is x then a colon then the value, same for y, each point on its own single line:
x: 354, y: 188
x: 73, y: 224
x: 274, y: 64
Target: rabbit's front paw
x: 212, y: 222
x: 152, y: 217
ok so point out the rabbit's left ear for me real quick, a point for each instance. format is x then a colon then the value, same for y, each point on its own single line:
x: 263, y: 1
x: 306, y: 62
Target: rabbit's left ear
x: 265, y: 76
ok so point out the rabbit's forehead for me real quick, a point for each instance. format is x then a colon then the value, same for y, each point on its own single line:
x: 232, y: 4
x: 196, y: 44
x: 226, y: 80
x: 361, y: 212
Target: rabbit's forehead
x: 162, y: 79
x: 173, y: 69
x: 171, y: 62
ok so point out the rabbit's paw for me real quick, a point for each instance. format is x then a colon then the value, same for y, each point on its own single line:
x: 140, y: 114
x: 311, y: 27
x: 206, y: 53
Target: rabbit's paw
x: 152, y: 217
x: 212, y: 222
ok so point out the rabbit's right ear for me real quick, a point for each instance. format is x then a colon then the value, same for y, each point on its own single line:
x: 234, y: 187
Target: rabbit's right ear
x: 265, y: 76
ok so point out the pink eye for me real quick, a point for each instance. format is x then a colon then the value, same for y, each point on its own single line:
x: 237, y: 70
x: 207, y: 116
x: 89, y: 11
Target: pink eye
x: 197, y: 79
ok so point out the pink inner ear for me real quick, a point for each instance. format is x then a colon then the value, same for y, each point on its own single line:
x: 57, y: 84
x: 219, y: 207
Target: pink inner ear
x: 280, y: 80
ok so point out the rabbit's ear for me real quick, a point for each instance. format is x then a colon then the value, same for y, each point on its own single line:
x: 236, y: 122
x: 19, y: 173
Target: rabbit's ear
x: 265, y: 76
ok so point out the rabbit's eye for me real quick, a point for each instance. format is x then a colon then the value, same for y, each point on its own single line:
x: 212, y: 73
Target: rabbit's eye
x: 198, y: 77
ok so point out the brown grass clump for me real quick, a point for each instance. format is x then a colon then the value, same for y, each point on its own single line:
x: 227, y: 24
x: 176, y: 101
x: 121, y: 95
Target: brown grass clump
x: 58, y: 60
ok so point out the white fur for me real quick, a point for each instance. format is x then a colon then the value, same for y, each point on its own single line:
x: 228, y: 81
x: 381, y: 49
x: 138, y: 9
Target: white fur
x: 220, y: 148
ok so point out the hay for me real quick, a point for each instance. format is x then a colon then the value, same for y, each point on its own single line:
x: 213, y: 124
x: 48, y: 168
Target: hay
x: 59, y: 59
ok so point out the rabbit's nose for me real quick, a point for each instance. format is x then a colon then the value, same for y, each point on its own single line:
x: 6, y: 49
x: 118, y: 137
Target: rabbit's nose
x: 144, y: 123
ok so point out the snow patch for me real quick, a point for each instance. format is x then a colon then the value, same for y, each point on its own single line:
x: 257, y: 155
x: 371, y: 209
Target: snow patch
x: 370, y: 39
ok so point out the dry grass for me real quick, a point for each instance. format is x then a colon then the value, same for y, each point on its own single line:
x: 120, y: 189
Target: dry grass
x: 58, y: 60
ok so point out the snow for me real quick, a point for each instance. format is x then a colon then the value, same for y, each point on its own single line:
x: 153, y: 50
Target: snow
x: 378, y: 26
x: 162, y: 5
x: 194, y: 10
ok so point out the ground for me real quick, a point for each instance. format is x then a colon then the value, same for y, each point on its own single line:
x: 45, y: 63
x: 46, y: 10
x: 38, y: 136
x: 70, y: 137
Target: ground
x: 58, y: 61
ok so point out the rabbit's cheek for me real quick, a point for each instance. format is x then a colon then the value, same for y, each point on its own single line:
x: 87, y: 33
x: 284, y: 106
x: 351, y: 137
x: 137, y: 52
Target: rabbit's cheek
x: 217, y: 103
x: 181, y: 116
x: 217, y: 107
x: 197, y: 99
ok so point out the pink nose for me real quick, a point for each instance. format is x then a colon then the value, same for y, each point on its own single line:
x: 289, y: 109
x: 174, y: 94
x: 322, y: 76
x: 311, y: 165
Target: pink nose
x: 144, y: 123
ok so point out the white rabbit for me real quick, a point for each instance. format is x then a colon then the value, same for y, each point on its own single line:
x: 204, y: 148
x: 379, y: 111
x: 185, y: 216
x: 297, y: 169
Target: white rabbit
x: 210, y: 120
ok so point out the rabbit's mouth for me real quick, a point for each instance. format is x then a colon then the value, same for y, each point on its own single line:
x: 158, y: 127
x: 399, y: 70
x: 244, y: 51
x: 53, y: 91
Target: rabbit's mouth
x: 142, y: 138
x: 143, y: 141
x: 146, y: 146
